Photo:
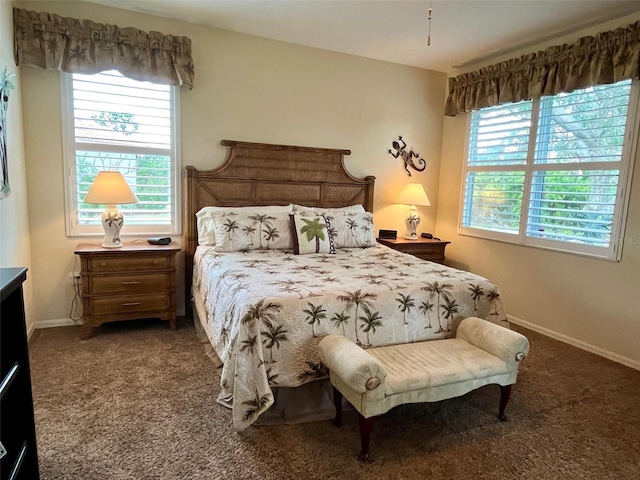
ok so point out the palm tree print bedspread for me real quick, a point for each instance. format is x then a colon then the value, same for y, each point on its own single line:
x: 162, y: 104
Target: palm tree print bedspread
x: 266, y: 310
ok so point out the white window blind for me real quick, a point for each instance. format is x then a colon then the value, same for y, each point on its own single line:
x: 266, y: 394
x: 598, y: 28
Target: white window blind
x: 116, y: 123
x: 552, y: 172
x: 498, y: 152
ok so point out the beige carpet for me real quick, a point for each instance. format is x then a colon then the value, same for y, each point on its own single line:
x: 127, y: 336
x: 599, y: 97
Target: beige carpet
x: 138, y: 401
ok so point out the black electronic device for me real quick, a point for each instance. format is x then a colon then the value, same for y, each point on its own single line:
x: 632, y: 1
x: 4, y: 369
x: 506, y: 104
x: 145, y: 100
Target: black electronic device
x: 159, y: 240
x: 429, y: 236
x: 388, y: 234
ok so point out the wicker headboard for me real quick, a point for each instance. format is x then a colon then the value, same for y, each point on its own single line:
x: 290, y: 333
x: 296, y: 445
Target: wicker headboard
x: 265, y: 174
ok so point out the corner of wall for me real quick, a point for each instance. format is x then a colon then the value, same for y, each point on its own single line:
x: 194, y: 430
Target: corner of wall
x: 14, y: 217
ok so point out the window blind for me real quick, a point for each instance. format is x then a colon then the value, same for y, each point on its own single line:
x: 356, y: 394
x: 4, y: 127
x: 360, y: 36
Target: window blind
x: 551, y: 172
x: 125, y: 125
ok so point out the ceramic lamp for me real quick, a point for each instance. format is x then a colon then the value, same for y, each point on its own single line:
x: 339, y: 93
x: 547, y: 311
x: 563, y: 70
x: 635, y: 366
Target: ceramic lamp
x: 111, y: 189
x: 413, y: 194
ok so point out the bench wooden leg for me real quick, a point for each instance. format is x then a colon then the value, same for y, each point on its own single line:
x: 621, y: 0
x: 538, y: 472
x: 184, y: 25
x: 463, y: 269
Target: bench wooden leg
x: 505, y: 393
x: 337, y: 401
x: 366, y: 426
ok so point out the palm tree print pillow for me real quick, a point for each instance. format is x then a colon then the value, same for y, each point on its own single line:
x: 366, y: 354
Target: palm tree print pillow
x: 259, y: 230
x: 311, y: 235
x: 353, y: 231
x: 206, y: 224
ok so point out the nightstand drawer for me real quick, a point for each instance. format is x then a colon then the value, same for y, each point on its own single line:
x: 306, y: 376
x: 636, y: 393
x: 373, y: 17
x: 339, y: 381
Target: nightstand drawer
x: 127, y: 263
x: 129, y: 284
x: 123, y: 304
x: 425, y: 251
x: 430, y: 258
x: 423, y: 248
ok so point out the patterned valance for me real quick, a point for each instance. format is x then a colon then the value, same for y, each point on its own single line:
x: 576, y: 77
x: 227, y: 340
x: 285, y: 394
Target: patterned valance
x: 609, y: 57
x: 52, y: 42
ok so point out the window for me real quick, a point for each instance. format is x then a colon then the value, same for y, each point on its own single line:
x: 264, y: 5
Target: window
x: 115, y: 123
x: 553, y: 172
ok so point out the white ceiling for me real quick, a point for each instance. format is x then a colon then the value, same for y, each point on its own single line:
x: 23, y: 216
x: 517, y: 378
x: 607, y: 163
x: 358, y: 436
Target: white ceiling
x: 462, y: 32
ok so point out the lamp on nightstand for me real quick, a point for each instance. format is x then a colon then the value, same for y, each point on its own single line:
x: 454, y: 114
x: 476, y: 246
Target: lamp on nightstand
x: 413, y: 194
x: 111, y: 189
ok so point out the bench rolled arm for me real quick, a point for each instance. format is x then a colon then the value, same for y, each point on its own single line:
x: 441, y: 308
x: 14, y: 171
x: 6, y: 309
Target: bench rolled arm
x: 511, y: 347
x: 355, y: 367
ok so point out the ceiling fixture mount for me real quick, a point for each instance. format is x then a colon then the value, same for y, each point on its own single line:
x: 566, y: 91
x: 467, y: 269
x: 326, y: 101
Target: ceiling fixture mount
x: 429, y: 18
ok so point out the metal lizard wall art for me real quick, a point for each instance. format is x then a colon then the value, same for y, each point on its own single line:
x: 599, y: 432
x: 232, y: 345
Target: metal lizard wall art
x: 407, y: 156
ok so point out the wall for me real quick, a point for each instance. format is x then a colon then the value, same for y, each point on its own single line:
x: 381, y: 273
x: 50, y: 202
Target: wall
x: 591, y: 303
x: 14, y: 220
x: 250, y: 89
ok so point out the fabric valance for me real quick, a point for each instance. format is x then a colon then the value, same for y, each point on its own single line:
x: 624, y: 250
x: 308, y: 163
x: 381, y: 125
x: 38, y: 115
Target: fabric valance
x: 609, y: 57
x: 52, y: 42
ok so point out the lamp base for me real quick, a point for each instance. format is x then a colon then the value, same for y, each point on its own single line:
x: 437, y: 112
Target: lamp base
x: 112, y: 245
x: 112, y: 222
x: 412, y: 221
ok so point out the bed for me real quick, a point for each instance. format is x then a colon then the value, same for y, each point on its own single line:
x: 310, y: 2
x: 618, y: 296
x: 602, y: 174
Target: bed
x: 263, y: 308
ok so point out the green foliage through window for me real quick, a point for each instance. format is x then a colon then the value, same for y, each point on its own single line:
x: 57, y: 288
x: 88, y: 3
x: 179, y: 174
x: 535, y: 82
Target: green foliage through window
x: 550, y: 169
x: 124, y: 125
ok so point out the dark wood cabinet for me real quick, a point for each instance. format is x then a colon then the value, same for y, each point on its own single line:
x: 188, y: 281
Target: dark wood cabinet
x: 17, y: 426
x: 132, y: 282
x: 424, y: 248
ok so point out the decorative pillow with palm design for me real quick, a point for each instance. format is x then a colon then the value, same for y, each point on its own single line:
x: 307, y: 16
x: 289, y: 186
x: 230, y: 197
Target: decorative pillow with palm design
x: 252, y: 231
x: 354, y: 230
x: 205, y: 220
x: 311, y: 234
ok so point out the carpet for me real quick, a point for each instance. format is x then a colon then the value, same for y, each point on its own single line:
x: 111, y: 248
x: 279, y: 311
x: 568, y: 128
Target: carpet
x: 138, y: 401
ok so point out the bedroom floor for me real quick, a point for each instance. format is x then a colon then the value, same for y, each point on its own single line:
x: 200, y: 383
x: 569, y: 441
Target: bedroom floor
x: 138, y: 401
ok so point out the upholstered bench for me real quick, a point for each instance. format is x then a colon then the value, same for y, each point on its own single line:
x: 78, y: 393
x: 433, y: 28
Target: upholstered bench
x: 378, y: 379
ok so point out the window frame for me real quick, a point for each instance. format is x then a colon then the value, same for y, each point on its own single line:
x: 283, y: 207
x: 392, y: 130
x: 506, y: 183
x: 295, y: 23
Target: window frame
x: 618, y: 225
x: 72, y: 227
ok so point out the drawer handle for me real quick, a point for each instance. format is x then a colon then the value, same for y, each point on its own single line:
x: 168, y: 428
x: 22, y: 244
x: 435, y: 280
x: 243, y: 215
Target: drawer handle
x: 131, y: 283
x: 18, y: 465
x: 131, y: 304
x: 103, y: 264
x: 8, y: 380
x: 155, y: 262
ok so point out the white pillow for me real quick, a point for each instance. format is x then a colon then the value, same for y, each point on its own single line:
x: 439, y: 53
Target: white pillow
x: 328, y: 212
x: 311, y: 234
x: 206, y: 224
x: 252, y: 231
x: 353, y: 231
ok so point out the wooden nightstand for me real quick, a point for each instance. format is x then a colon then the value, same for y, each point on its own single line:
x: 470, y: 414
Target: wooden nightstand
x: 127, y: 283
x: 424, y: 248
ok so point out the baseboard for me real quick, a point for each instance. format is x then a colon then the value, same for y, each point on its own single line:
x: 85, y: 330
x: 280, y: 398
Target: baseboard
x: 576, y: 343
x: 56, y: 322
x: 62, y: 322
x: 30, y: 331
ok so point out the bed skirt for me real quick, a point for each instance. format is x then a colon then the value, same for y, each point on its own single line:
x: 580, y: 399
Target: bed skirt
x: 310, y: 402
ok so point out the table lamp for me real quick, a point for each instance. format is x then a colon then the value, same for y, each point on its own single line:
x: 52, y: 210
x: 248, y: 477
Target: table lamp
x: 413, y: 194
x: 111, y: 189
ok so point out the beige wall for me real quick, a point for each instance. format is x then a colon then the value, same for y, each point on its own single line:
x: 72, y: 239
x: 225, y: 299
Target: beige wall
x: 249, y: 89
x: 582, y: 300
x: 14, y: 220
